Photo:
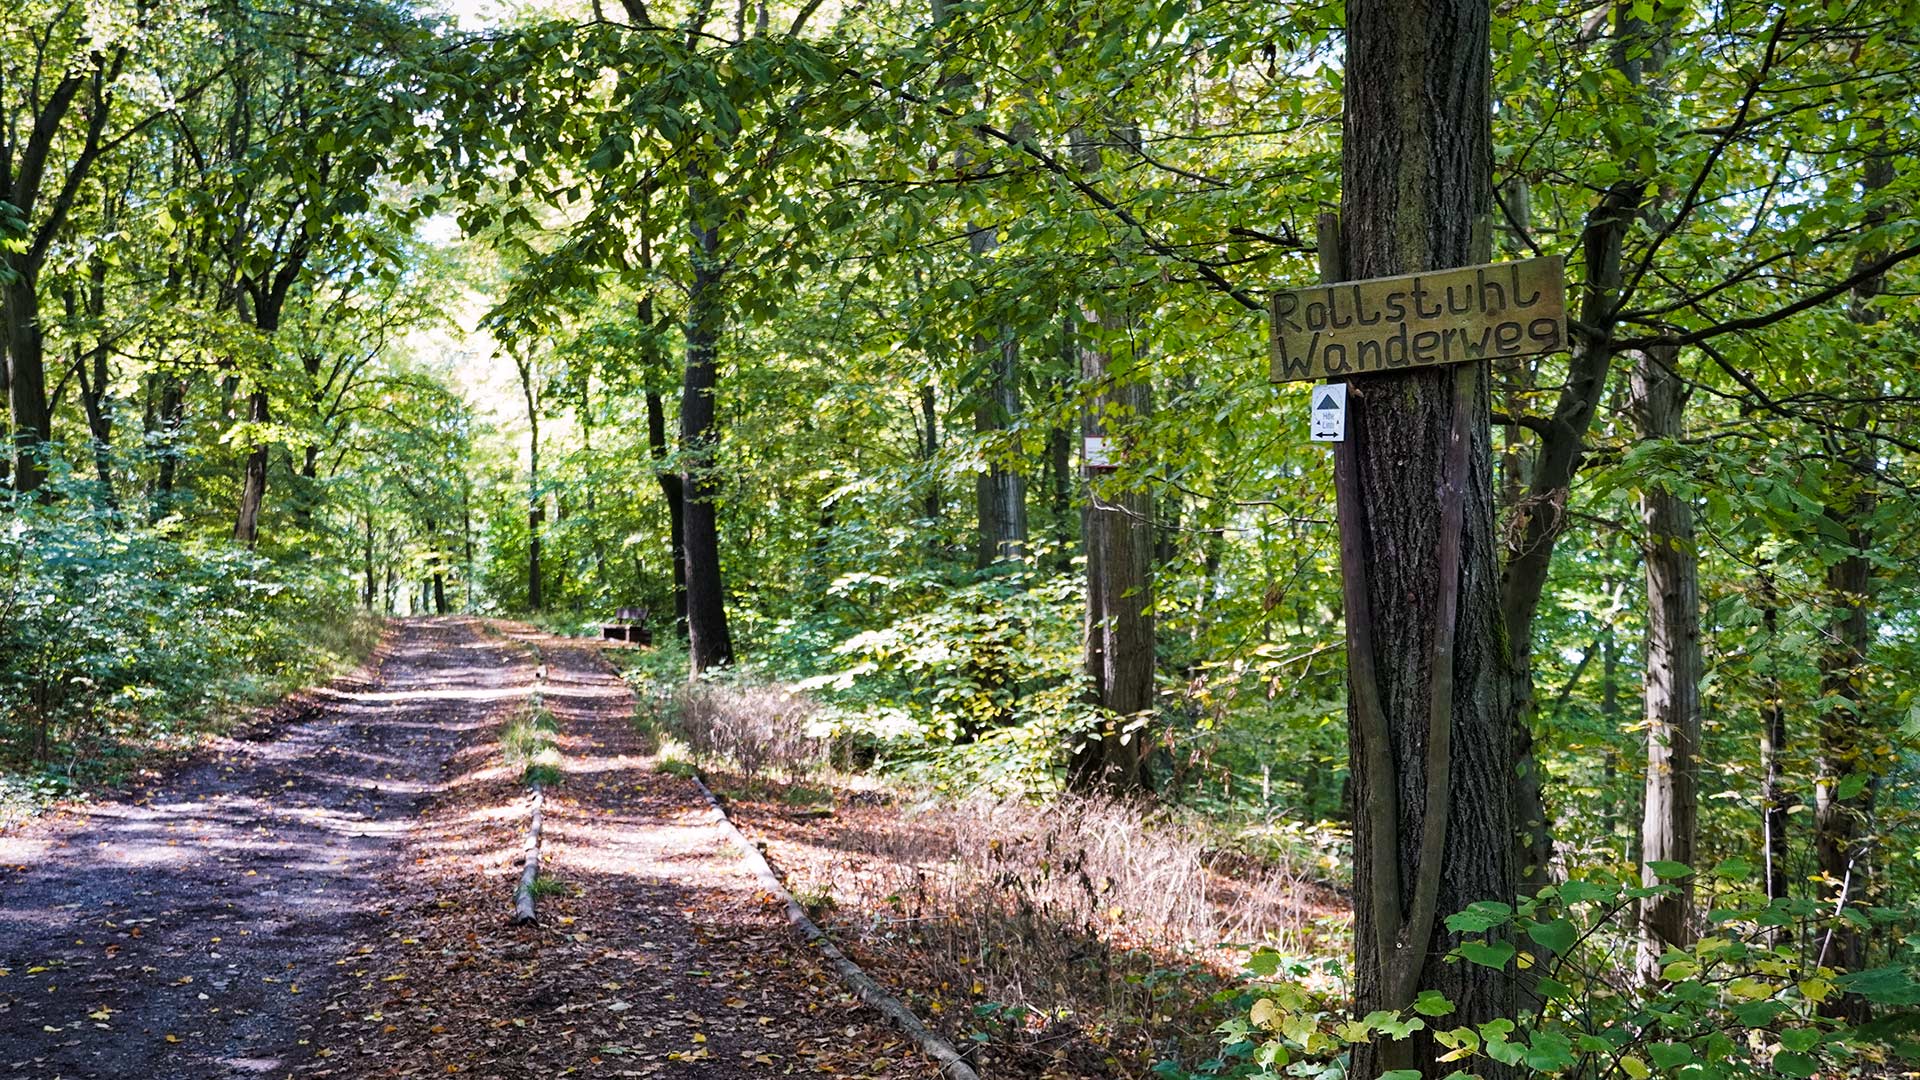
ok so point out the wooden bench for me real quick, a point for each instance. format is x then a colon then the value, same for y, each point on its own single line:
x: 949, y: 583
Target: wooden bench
x: 630, y: 625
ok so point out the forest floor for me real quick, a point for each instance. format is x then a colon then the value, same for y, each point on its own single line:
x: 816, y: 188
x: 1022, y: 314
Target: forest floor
x: 327, y: 893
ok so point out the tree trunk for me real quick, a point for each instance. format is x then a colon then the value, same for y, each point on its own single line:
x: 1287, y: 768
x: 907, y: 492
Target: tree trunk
x: 173, y: 415
x: 673, y: 490
x: 1059, y: 471
x: 1774, y: 804
x: 652, y: 361
x: 253, y: 482
x: 1119, y: 626
x: 1000, y: 492
x: 1669, y: 826
x: 95, y: 406
x: 1539, y: 517
x: 1119, y: 547
x: 269, y: 301
x: 370, y: 591
x: 1431, y: 738
x: 1847, y: 739
x: 536, y: 520
x: 709, y: 642
x: 26, y: 375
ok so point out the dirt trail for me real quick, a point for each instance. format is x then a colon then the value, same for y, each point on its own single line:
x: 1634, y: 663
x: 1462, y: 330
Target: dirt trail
x: 656, y: 956
x: 332, y: 900
x: 186, y: 930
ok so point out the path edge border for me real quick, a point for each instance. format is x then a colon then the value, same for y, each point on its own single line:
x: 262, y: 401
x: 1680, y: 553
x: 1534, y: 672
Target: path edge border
x: 951, y: 1064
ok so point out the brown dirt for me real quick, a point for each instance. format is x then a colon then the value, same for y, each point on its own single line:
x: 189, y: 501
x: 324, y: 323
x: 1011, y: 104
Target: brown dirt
x: 332, y: 899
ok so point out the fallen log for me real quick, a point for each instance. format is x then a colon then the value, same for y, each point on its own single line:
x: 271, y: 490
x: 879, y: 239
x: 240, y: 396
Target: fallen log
x: 952, y: 1065
x: 530, y: 868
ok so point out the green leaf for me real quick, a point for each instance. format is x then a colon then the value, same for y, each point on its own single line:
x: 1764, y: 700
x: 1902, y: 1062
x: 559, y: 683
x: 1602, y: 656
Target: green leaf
x: 1669, y: 1055
x: 1494, y: 956
x: 1882, y: 986
x: 1666, y: 869
x: 1800, y: 1040
x: 1551, y: 1052
x: 1263, y: 962
x: 1585, y: 892
x: 1733, y: 869
x: 1558, y: 935
x: 1553, y: 989
x: 1432, y: 1003
x: 1794, y: 1065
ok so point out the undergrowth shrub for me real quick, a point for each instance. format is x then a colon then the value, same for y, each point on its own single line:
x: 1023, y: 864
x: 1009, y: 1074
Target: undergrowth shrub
x: 1752, y: 997
x: 968, y: 684
x: 1083, y: 919
x: 113, y: 633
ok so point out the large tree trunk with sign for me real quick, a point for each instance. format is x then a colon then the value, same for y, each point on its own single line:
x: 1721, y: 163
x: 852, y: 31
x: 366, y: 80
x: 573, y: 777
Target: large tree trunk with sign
x: 1669, y: 827
x: 1430, y: 731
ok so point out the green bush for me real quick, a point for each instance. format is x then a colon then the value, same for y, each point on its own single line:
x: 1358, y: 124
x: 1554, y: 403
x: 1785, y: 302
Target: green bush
x: 1749, y: 998
x: 977, y: 683
x: 114, y: 633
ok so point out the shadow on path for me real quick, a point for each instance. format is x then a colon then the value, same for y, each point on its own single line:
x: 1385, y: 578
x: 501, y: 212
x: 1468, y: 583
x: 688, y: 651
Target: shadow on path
x: 191, y: 930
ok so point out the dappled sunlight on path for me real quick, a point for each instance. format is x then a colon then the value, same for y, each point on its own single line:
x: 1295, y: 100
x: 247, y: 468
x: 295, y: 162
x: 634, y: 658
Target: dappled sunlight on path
x: 183, y: 931
x: 656, y: 953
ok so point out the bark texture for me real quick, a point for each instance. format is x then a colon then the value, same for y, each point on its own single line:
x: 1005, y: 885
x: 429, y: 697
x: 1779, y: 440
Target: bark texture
x: 1847, y: 737
x: 1118, y: 535
x: 32, y: 420
x: 253, y: 476
x: 1000, y: 492
x: 1119, y: 546
x: 1669, y: 824
x: 1429, y: 709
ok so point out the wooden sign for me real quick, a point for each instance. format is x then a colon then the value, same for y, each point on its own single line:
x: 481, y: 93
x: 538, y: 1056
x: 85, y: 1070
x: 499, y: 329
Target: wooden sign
x: 1417, y: 320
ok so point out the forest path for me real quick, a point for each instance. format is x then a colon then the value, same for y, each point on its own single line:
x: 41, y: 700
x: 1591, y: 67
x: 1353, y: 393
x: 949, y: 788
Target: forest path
x: 185, y: 930
x: 333, y: 899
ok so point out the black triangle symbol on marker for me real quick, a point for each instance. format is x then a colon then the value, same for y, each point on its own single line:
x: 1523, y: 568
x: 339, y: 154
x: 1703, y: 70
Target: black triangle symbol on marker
x: 1326, y: 403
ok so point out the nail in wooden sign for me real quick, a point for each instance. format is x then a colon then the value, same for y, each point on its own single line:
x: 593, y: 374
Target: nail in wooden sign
x: 1417, y: 320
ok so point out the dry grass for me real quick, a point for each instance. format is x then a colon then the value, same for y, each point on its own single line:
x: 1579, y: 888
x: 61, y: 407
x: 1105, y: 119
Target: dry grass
x: 1075, y: 936
x: 1083, y: 936
x: 757, y: 728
